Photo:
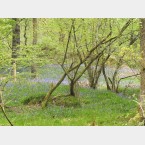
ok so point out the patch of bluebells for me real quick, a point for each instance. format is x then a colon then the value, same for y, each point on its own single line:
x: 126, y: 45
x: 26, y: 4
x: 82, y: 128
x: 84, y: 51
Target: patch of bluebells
x: 48, y: 80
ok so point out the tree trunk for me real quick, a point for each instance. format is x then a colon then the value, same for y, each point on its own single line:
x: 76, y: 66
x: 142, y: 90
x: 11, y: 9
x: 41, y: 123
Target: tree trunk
x: 106, y: 79
x: 2, y: 107
x: 14, y: 71
x: 94, y: 73
x: 90, y: 76
x: 33, y: 70
x: 92, y: 85
x: 15, y: 45
x: 1, y: 101
x: 33, y: 66
x: 52, y: 89
x: 72, y: 88
x: 142, y: 45
x: 93, y: 77
x: 25, y: 32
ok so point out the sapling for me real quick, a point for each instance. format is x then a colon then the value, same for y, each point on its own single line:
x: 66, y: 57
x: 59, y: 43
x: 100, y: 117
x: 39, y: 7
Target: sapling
x: 3, y: 83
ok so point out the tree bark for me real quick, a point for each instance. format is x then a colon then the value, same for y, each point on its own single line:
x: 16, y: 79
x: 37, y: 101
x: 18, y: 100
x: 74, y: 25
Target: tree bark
x: 142, y: 45
x: 106, y: 79
x: 34, y: 66
x: 94, y: 83
x: 15, y: 45
x: 52, y: 89
x: 72, y: 88
x: 25, y: 32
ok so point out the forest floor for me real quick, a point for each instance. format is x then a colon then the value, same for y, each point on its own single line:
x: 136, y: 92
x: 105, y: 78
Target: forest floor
x: 92, y: 107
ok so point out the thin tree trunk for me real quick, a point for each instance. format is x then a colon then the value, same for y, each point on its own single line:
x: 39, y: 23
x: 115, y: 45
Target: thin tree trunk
x: 2, y: 108
x: 106, y: 79
x: 14, y: 68
x: 25, y: 32
x: 33, y: 66
x: 46, y: 99
x: 1, y: 100
x: 6, y: 116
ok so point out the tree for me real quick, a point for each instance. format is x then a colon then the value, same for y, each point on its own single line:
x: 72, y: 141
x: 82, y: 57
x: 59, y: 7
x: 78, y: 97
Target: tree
x: 126, y: 53
x: 15, y: 45
x: 142, y: 89
x: 2, y: 86
x: 95, y: 56
x: 113, y: 26
x: 81, y: 57
x: 33, y: 66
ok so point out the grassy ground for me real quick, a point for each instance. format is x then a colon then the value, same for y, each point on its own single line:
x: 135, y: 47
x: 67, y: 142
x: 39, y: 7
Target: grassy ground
x: 93, y: 107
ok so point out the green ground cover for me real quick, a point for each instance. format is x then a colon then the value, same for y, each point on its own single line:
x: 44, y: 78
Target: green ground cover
x: 92, y: 107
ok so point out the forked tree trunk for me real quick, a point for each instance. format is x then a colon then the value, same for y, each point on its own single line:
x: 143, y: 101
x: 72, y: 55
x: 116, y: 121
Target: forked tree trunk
x: 94, y: 84
x: 142, y: 45
x: 93, y: 77
x: 94, y: 74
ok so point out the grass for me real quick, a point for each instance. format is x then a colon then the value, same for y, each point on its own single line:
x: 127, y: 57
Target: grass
x: 94, y: 107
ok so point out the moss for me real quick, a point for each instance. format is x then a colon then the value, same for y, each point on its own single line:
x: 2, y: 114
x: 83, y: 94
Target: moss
x: 64, y: 101
x: 33, y: 100
x: 68, y: 101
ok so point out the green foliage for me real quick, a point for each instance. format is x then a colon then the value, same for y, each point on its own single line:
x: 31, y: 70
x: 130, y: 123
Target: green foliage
x: 99, y: 106
x: 53, y: 37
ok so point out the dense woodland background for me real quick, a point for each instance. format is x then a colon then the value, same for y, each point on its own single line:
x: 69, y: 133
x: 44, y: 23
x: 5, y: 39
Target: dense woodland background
x: 72, y: 71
